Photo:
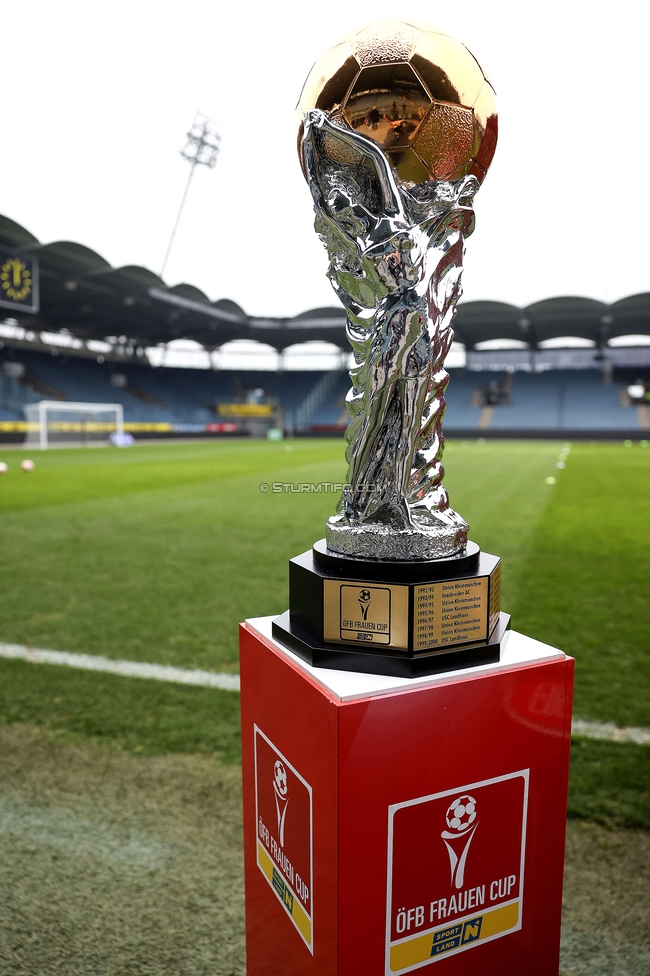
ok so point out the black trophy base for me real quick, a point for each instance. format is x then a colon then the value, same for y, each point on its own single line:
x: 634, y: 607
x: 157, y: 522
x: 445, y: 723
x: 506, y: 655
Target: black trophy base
x: 399, y: 618
x: 338, y: 658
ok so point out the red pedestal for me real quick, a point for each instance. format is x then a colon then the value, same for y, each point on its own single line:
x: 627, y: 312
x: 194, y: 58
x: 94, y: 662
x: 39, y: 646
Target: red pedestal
x: 395, y: 824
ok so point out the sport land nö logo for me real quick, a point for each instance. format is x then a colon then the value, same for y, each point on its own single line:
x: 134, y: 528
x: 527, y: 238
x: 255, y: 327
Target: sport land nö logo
x: 455, y: 870
x: 284, y: 843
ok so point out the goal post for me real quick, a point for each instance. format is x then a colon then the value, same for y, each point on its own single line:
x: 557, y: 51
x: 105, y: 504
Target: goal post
x: 72, y: 424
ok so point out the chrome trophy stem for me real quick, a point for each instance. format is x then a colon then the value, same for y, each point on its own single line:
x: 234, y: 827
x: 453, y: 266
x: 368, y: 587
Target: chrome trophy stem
x: 396, y: 254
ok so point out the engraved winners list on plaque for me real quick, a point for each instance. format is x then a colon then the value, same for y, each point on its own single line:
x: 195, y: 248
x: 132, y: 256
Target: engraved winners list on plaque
x: 448, y: 613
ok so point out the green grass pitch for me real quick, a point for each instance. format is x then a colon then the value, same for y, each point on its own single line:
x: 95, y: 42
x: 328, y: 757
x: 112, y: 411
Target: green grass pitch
x: 155, y: 553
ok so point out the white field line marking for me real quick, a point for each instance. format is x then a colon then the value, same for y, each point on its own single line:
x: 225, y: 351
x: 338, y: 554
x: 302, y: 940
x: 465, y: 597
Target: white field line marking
x: 129, y: 669
x: 62, y: 829
x: 611, y: 732
x: 230, y: 682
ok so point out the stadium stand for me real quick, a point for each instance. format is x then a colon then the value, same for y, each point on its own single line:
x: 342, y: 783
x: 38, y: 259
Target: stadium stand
x: 579, y: 402
x: 568, y: 400
x: 461, y: 412
x: 161, y: 395
x: 563, y: 400
x: 528, y: 392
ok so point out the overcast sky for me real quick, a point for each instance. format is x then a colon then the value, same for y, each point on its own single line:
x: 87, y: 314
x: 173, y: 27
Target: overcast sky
x: 97, y: 97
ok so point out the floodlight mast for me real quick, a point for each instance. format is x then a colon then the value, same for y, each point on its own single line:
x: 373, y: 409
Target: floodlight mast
x: 201, y: 149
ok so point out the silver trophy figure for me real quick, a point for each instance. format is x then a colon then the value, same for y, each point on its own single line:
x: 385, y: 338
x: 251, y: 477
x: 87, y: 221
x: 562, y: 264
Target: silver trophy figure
x: 396, y: 129
x: 394, y: 144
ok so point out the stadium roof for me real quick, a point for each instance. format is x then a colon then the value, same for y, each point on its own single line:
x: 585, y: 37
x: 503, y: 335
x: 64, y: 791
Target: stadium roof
x: 83, y: 294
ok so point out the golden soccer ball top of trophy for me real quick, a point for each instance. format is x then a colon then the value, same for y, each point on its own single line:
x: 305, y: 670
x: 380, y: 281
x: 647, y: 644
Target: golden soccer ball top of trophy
x: 420, y: 94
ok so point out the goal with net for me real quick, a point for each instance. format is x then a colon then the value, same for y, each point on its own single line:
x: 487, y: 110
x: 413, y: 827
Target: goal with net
x: 73, y: 424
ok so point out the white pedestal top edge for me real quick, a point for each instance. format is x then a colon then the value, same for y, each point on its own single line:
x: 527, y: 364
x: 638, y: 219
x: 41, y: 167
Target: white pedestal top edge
x: 517, y: 651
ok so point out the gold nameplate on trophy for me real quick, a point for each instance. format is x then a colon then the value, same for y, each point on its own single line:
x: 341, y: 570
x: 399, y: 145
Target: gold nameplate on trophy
x: 495, y: 596
x: 366, y: 613
x: 406, y: 621
x: 425, y: 616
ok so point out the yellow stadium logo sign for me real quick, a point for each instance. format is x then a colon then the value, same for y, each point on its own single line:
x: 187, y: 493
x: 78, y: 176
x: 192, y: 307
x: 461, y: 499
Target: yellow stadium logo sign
x: 245, y: 409
x: 15, y: 279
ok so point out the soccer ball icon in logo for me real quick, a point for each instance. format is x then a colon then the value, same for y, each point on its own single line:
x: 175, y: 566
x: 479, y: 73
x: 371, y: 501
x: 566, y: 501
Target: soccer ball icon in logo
x: 280, y: 778
x: 461, y: 814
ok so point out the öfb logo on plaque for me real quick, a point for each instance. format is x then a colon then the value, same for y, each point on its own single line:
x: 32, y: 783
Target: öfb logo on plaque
x: 284, y: 842
x: 455, y: 870
x: 365, y: 597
